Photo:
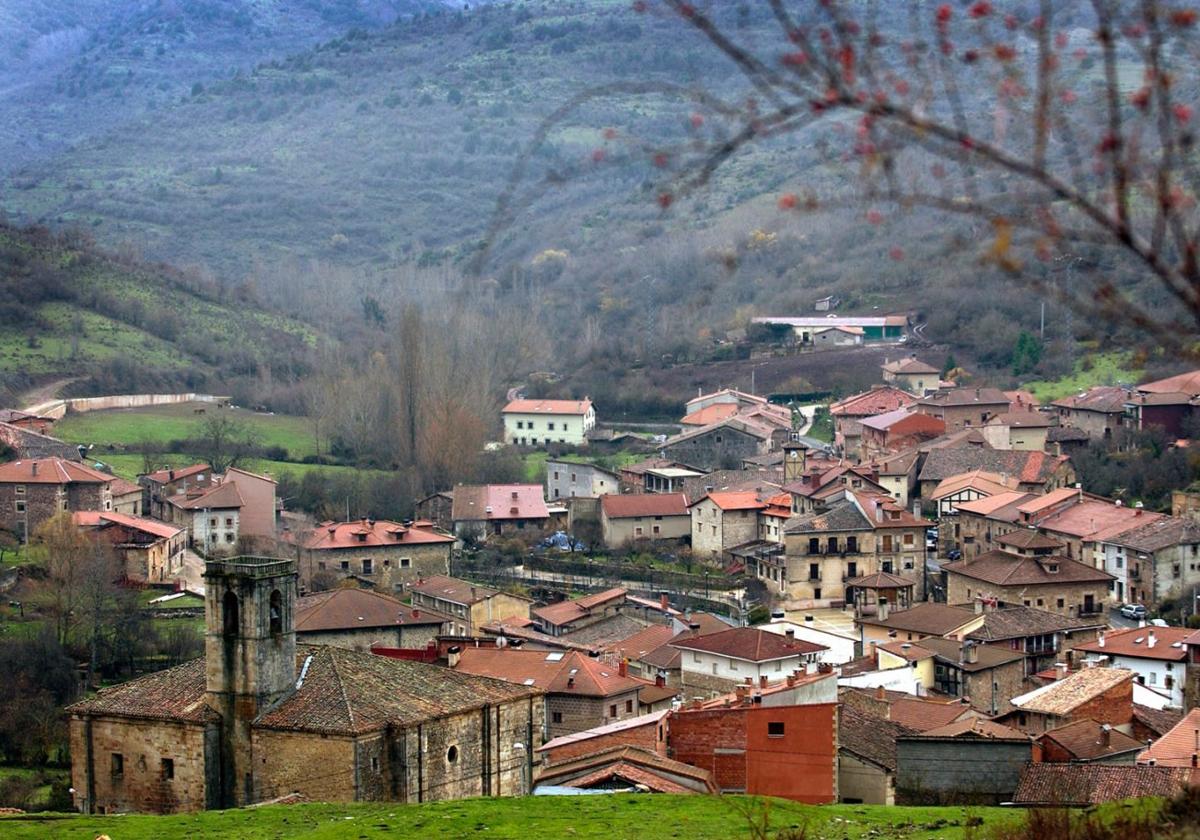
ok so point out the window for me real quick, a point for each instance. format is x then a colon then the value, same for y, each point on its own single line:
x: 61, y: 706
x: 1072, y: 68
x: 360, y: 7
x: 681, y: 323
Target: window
x: 387, y: 564
x: 20, y: 507
x: 345, y: 565
x: 556, y: 717
x: 612, y: 710
x: 212, y: 523
x: 229, y: 522
x: 1061, y: 603
x: 20, y: 489
x: 374, y: 764
x: 814, y: 545
x: 168, y: 769
x: 733, y: 665
x: 118, y: 765
x: 550, y: 427
x: 908, y: 539
x: 637, y: 532
x: 452, y: 754
x: 1040, y: 602
x: 368, y: 566
x: 852, y: 544
x: 276, y: 612
x: 695, y: 656
x: 775, y: 729
x: 629, y: 705
x: 229, y: 537
x: 714, y: 668
x: 656, y: 529
x: 521, y: 425
x: 405, y: 562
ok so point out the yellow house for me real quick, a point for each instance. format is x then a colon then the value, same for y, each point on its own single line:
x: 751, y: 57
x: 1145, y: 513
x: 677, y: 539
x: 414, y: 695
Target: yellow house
x: 906, y: 655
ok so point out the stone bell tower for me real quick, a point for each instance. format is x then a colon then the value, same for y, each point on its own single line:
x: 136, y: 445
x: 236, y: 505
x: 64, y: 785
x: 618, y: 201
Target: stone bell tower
x: 250, y: 660
x: 795, y: 458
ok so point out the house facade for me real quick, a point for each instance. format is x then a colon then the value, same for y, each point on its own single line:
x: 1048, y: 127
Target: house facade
x: 32, y: 491
x: 567, y: 479
x: 376, y: 552
x: 545, y: 422
x: 912, y: 375
x: 482, y: 511
x: 470, y: 606
x: 721, y: 521
x: 718, y: 662
x: 625, y: 520
x: 150, y: 551
x: 961, y: 408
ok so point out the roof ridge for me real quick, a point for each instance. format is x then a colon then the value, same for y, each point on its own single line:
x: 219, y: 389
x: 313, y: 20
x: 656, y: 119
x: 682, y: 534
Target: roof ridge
x: 337, y: 675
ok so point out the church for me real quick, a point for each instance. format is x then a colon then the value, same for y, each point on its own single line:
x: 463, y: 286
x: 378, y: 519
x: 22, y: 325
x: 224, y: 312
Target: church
x: 260, y: 717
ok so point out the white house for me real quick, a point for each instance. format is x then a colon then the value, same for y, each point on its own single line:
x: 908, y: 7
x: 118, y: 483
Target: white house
x: 543, y: 422
x: 1156, y: 655
x: 721, y: 660
x: 840, y: 649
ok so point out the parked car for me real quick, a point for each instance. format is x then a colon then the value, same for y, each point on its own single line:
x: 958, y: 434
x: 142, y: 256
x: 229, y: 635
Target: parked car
x: 1134, y: 611
x: 954, y: 554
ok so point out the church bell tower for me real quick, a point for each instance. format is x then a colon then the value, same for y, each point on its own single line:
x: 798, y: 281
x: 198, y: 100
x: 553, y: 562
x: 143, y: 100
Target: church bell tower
x: 795, y: 458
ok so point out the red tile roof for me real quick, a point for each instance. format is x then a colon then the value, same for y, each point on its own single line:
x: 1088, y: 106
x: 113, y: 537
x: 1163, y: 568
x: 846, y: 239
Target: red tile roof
x: 498, y: 501
x: 560, y: 672
x: 348, y: 609
x: 1185, y: 383
x: 870, y: 403
x: 909, y: 365
x: 733, y: 500
x: 548, y: 407
x: 175, y: 694
x: 920, y: 714
x: 50, y: 471
x: 642, y: 642
x: 975, y: 727
x: 643, y: 504
x: 564, y: 612
x: 1087, y: 740
x: 1177, y: 746
x: 1001, y: 568
x: 452, y: 589
x: 1105, y: 399
x: 926, y: 617
x: 223, y: 496
x: 1080, y: 785
x: 96, y: 518
x: 168, y: 475
x: 710, y: 414
x: 750, y: 644
x: 1168, y: 643
x: 371, y: 533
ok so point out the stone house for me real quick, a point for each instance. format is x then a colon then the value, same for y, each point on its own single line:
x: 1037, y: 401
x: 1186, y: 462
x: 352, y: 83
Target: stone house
x: 895, y: 431
x: 545, y: 422
x: 849, y: 413
x: 1157, y: 656
x: 379, y: 553
x: 721, y: 521
x: 469, y: 605
x: 27, y: 444
x: 705, y: 409
x: 967, y: 487
x: 210, y: 516
x: 726, y: 443
x: 162, y: 485
x: 359, y: 619
x: 438, y: 509
x: 866, y: 757
x: 1088, y: 742
x: 259, y: 717
x: 259, y: 504
x: 1104, y: 695
x: 625, y: 520
x: 150, y: 551
x: 985, y: 676
x: 1025, y: 430
x: 920, y: 621
x: 24, y: 420
x: 1028, y: 570
x: 1035, y: 472
x: 127, y: 497
x: 647, y: 732
x: 897, y: 475
x: 1152, y: 561
x: 820, y: 487
x: 961, y: 408
x: 1099, y: 411
x: 861, y: 534
x: 1046, y: 638
x: 480, y: 511
x: 580, y: 692
x: 718, y: 662
x: 567, y: 479
x: 32, y: 491
x: 912, y: 375
x: 574, y: 614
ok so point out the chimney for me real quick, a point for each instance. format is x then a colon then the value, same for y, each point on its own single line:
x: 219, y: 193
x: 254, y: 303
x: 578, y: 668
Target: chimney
x: 1197, y: 733
x: 1105, y: 734
x: 660, y: 680
x: 1060, y: 670
x: 880, y: 693
x: 416, y: 613
x: 623, y: 668
x: 1150, y: 639
x: 970, y: 653
x: 791, y: 680
x: 882, y: 610
x: 663, y: 602
x: 790, y: 633
x: 170, y: 475
x: 978, y: 606
x: 33, y: 468
x: 1100, y: 639
x: 740, y: 692
x: 453, y: 654
x: 762, y: 681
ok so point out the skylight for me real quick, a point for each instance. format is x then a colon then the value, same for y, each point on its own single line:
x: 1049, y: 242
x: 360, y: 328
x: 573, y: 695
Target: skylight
x: 554, y: 657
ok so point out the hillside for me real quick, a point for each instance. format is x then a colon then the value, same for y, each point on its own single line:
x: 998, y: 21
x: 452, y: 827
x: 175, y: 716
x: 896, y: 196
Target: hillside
x: 69, y: 310
x: 582, y: 818
x: 71, y: 70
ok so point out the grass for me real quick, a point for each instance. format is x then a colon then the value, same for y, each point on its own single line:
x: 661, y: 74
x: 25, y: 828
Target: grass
x: 1092, y: 370
x: 535, y: 462
x: 162, y: 424
x: 599, y: 817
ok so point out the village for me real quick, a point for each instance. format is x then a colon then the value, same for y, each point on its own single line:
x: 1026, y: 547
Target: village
x: 926, y: 609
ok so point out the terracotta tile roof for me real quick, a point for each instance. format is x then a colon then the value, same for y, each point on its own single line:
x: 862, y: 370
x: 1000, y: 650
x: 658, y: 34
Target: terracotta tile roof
x: 910, y: 365
x: 1066, y: 434
x: 506, y: 501
x: 1001, y: 568
x: 957, y: 397
x: 234, y: 472
x: 982, y: 481
x: 1158, y: 721
x: 1106, y: 399
x: 988, y: 656
x: 841, y: 516
x: 96, y: 518
x: 883, y: 511
x: 452, y: 589
x: 174, y: 694
x: 869, y: 738
x: 974, y: 728
x: 1168, y: 643
x: 1017, y: 622
x: 348, y: 609
x: 1081, y: 785
x: 733, y: 500
x: 881, y: 580
x: 1062, y: 697
x: 631, y: 765
x: 558, y: 672
x: 994, y: 505
x: 517, y: 628
x: 926, y: 617
x: 121, y: 487
x: 1026, y: 466
x: 710, y: 414
x: 221, y: 497
x: 1096, y: 518
x: 1021, y: 420
x: 564, y: 612
x: 1027, y: 538
x: 749, y: 644
x: 168, y: 475
x: 919, y: 715
x: 640, y: 643
x: 1177, y: 746
x: 870, y: 403
x: 643, y: 504
x: 910, y: 651
x: 50, y: 471
x: 902, y: 421
x: 1185, y: 383
x: 571, y: 407
x: 1087, y: 740
x: 899, y: 464
x: 371, y: 533
x: 607, y: 729
x: 1161, y: 532
x: 607, y: 631
x: 348, y: 692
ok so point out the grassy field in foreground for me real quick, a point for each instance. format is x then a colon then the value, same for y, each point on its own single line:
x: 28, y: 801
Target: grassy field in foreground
x: 162, y: 424
x: 599, y: 817
x: 1098, y: 369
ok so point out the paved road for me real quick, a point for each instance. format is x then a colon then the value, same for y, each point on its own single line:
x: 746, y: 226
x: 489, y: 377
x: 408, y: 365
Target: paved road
x: 193, y: 572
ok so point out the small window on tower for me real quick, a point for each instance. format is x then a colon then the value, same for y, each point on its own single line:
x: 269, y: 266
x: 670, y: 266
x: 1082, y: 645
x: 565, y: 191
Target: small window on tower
x: 276, y: 612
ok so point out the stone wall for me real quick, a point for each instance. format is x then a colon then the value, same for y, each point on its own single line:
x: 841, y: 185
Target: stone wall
x: 27, y: 443
x: 142, y: 783
x: 719, y: 449
x: 571, y: 713
x: 361, y: 638
x: 42, y: 501
x: 388, y: 566
x: 963, y: 590
x: 321, y: 767
x: 649, y: 736
x: 990, y: 691
x: 952, y: 771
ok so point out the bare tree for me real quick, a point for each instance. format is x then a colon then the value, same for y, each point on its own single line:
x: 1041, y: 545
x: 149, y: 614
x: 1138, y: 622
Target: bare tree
x: 1063, y: 130
x: 224, y: 441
